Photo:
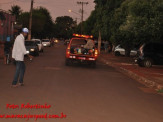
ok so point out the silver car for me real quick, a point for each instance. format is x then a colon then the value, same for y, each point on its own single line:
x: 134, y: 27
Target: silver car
x: 119, y: 50
x: 40, y: 45
x: 46, y: 42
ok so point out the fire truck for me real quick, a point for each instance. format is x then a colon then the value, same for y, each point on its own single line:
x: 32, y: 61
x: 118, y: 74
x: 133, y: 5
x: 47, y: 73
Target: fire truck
x: 76, y: 52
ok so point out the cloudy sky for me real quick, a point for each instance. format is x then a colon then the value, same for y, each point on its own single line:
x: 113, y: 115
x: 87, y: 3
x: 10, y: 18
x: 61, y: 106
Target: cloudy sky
x: 55, y: 7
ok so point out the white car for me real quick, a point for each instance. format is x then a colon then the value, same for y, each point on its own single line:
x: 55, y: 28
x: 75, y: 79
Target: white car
x: 119, y: 50
x: 46, y: 42
x: 40, y: 45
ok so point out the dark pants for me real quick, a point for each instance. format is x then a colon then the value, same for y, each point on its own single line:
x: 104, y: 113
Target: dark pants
x: 19, y: 74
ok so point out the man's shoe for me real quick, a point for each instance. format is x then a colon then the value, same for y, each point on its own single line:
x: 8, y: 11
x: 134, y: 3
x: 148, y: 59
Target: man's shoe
x: 21, y: 84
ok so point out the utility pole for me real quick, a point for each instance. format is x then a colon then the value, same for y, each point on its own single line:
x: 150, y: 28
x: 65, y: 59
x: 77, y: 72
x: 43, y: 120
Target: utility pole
x: 82, y: 3
x: 30, y: 21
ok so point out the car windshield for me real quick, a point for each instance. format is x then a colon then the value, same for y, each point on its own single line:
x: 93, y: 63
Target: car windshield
x: 78, y: 42
x: 29, y: 43
x: 45, y: 40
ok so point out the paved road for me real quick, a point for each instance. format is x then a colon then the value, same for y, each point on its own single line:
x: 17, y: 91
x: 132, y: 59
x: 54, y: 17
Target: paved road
x: 82, y: 93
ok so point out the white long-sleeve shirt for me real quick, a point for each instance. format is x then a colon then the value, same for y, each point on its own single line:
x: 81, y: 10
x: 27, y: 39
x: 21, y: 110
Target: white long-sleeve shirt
x: 89, y: 44
x: 19, y: 49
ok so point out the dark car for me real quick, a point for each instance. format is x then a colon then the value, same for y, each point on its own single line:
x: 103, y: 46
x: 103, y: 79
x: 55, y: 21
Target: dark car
x: 32, y: 47
x: 149, y: 54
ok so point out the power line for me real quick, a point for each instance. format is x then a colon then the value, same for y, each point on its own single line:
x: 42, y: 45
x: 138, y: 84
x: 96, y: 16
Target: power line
x: 30, y: 20
x: 82, y: 11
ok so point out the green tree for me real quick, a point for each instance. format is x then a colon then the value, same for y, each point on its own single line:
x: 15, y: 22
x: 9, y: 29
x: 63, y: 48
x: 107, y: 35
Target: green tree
x: 89, y: 24
x: 100, y: 18
x: 127, y: 22
x: 145, y: 20
x: 141, y: 22
x: 64, y: 26
x: 16, y: 11
x: 117, y: 35
x: 48, y: 25
x: 42, y: 24
x: 24, y: 19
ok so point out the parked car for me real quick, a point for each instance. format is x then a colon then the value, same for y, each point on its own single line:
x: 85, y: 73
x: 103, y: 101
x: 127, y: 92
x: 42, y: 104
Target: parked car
x: 46, y: 42
x: 119, y: 50
x: 75, y: 52
x: 40, y: 45
x: 149, y: 54
x: 32, y: 47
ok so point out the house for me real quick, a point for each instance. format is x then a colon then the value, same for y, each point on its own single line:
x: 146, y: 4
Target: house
x: 7, y: 22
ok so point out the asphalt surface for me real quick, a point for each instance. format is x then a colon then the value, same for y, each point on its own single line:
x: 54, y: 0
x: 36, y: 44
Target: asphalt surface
x: 82, y: 93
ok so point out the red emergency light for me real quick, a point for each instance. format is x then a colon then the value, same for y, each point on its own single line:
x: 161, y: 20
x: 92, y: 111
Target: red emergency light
x: 84, y: 36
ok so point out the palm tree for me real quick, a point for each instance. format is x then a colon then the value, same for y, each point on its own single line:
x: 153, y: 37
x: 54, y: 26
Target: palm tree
x: 15, y: 10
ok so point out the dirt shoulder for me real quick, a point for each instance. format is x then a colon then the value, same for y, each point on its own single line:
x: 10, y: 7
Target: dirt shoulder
x: 151, y: 77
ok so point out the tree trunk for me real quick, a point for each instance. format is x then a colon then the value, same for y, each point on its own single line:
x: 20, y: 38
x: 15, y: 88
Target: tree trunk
x: 127, y: 52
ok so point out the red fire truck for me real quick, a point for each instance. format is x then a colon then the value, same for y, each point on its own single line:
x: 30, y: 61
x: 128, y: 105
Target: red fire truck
x: 76, y: 52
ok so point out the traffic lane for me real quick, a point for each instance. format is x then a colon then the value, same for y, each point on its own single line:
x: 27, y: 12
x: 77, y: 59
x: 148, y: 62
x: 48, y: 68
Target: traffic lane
x: 83, y: 93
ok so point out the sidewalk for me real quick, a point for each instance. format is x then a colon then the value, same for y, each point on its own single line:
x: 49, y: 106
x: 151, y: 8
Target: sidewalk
x: 151, y: 77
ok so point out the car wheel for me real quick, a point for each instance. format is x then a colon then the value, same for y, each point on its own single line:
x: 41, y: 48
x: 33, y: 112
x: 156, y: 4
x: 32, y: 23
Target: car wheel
x: 117, y: 53
x: 147, y: 63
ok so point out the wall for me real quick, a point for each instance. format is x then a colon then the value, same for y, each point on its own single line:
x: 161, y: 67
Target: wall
x: 7, y: 26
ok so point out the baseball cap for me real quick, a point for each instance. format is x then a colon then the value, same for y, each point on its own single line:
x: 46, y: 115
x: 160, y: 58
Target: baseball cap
x: 25, y: 30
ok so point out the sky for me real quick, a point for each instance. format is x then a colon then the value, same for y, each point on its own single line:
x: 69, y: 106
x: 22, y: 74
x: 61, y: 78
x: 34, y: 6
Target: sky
x: 55, y: 7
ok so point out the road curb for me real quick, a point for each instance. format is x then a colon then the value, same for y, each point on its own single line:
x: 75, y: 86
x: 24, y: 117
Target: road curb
x: 145, y: 81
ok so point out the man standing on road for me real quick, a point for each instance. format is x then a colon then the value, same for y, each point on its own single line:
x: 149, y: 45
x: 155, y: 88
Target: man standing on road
x: 18, y: 53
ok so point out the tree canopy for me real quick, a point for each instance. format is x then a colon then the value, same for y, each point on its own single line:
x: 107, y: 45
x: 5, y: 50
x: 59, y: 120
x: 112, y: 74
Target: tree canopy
x: 127, y: 22
x: 42, y: 23
x: 15, y: 10
x: 64, y: 26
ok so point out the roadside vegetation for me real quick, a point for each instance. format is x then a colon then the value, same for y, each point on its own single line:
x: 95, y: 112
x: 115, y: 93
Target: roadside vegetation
x: 127, y: 22
x: 43, y: 26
